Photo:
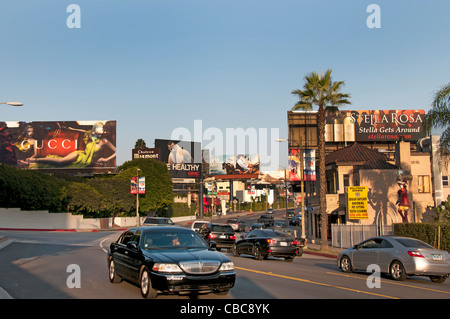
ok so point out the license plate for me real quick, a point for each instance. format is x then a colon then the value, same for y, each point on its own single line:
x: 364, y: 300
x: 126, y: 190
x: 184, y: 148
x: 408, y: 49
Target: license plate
x: 436, y: 257
x: 283, y: 243
x: 222, y: 236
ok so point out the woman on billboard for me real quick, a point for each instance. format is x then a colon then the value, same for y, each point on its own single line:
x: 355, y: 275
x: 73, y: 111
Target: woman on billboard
x: 96, y: 140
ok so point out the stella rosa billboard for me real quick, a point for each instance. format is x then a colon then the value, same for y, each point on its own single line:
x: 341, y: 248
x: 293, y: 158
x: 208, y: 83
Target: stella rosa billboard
x: 374, y: 125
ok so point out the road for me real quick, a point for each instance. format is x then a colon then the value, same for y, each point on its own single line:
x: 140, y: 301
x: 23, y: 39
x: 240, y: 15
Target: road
x: 37, y: 265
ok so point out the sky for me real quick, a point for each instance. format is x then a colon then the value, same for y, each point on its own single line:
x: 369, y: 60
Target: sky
x: 205, y: 66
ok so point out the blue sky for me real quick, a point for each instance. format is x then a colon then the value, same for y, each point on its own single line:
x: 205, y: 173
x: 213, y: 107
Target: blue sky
x: 155, y: 66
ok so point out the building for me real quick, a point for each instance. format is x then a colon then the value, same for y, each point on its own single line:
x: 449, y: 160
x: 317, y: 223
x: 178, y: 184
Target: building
x: 389, y: 150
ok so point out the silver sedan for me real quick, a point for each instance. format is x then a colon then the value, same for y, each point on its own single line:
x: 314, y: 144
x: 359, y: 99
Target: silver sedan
x: 398, y: 256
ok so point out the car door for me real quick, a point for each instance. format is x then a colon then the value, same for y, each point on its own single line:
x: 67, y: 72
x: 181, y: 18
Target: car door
x: 367, y: 253
x: 246, y: 246
x: 121, y: 254
x: 134, y: 255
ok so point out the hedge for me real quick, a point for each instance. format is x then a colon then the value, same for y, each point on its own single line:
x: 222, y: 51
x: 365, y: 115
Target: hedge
x: 426, y: 232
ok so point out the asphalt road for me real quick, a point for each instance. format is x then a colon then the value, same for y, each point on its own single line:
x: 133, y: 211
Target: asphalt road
x: 37, y: 265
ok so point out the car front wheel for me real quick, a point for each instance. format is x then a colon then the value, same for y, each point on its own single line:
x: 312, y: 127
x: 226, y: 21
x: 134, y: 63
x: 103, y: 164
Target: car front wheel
x: 145, y: 284
x: 346, y: 265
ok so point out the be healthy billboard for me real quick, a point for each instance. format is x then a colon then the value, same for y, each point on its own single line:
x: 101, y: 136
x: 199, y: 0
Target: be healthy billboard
x: 183, y: 159
x: 374, y: 125
x: 76, y: 145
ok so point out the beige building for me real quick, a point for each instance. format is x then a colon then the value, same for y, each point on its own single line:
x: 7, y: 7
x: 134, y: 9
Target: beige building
x: 378, y: 165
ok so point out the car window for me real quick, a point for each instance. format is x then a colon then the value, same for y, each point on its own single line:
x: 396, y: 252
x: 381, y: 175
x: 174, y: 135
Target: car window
x: 412, y: 243
x: 253, y: 233
x: 200, y: 224
x: 126, y: 237
x: 172, y: 239
x: 222, y: 228
x: 137, y: 236
x: 371, y: 243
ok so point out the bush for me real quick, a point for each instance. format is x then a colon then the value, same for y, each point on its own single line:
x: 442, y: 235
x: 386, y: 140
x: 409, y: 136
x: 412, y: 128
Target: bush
x: 32, y: 190
x: 425, y: 232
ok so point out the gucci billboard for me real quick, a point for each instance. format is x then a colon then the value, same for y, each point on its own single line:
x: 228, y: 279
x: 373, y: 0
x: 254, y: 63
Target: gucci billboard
x: 78, y: 145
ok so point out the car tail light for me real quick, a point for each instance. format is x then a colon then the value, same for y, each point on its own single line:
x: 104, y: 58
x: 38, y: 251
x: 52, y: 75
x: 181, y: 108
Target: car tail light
x: 232, y: 237
x: 415, y: 253
x: 294, y: 242
x: 271, y: 241
x: 211, y: 236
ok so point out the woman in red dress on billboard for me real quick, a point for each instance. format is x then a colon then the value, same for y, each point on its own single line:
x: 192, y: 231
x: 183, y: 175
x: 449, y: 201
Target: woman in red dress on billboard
x: 403, y: 201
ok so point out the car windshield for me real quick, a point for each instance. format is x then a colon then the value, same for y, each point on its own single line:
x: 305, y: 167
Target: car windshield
x: 413, y: 243
x: 171, y: 239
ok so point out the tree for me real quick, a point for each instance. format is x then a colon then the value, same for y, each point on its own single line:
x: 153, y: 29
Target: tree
x: 439, y: 117
x: 323, y: 92
x: 158, y: 183
x: 140, y: 144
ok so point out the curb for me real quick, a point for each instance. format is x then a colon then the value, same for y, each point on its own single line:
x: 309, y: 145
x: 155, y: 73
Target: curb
x: 328, y: 255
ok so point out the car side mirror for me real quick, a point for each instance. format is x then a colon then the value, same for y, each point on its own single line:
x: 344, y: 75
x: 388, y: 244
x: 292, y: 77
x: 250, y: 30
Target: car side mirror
x: 132, y: 245
x: 242, y: 236
x: 356, y: 247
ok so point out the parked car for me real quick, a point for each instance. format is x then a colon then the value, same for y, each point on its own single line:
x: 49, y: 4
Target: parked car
x: 237, y: 224
x: 398, y: 256
x: 158, y: 221
x: 222, y: 234
x: 169, y: 260
x: 296, y: 220
x: 257, y: 226
x: 270, y: 211
x: 266, y: 219
x: 198, y: 224
x: 262, y: 243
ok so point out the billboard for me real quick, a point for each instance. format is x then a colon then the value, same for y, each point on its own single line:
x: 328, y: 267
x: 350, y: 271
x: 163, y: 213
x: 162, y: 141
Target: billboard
x: 309, y: 165
x: 183, y: 159
x: 374, y: 125
x: 77, y: 145
x: 237, y: 166
x: 146, y: 153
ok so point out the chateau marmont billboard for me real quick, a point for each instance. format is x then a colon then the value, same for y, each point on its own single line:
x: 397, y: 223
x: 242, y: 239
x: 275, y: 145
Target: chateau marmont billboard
x: 68, y: 145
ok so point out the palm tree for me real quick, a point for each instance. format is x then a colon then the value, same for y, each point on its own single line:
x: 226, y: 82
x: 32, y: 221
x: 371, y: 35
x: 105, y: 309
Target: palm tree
x: 439, y: 116
x: 140, y: 144
x: 322, y: 91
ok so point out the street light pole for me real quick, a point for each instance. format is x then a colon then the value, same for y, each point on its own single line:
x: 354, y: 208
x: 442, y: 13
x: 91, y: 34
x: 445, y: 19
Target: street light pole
x: 12, y: 103
x: 137, y: 199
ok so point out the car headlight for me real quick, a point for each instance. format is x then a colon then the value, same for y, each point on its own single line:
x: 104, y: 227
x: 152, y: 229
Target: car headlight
x: 227, y: 266
x: 170, y: 268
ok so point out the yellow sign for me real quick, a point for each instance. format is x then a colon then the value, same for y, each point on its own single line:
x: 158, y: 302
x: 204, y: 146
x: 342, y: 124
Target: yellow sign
x: 357, y: 202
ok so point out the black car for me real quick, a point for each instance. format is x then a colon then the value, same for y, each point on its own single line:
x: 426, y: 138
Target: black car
x: 296, y: 220
x: 222, y: 234
x: 262, y: 243
x: 267, y: 220
x: 169, y: 260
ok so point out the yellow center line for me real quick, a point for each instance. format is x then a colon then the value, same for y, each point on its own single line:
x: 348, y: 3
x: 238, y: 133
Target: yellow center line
x: 313, y: 282
x: 391, y: 282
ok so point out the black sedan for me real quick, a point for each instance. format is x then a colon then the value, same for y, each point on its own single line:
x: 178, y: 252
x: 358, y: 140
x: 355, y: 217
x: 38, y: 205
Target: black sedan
x: 169, y: 260
x: 262, y: 243
x: 222, y: 234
